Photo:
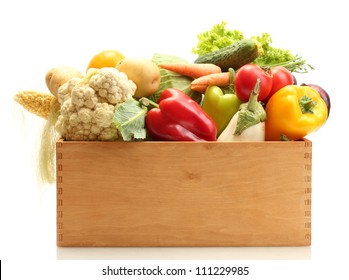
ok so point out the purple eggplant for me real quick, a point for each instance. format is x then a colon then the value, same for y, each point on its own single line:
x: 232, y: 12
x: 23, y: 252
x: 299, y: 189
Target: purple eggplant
x: 324, y: 95
x: 294, y: 79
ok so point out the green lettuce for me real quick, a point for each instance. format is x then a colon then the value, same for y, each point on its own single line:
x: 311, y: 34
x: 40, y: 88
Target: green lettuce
x: 219, y: 37
x: 216, y: 38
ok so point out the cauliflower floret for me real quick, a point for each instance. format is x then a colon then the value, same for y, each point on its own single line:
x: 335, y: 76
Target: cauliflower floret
x: 88, y: 105
x: 102, y: 114
x: 85, y: 115
x: 112, y: 85
x: 84, y: 96
x: 65, y: 89
x: 87, y: 125
x: 67, y: 108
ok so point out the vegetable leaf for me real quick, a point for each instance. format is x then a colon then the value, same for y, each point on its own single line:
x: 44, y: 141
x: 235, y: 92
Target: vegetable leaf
x: 279, y: 57
x: 216, y: 38
x: 171, y: 79
x: 219, y: 37
x: 129, y: 118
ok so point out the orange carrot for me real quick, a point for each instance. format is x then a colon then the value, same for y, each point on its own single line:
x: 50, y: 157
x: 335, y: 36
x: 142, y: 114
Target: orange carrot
x: 216, y: 79
x: 193, y: 70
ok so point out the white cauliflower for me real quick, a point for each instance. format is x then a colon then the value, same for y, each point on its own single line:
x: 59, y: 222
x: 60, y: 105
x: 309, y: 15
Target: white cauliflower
x: 88, y: 105
x: 65, y: 89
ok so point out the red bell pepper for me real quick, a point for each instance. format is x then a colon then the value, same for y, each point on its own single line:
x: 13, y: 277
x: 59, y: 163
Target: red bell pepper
x: 179, y: 118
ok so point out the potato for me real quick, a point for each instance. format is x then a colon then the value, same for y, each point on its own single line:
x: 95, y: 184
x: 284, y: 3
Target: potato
x: 58, y: 76
x: 143, y: 72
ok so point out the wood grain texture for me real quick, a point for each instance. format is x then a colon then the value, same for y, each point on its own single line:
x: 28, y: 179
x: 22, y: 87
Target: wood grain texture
x: 184, y: 194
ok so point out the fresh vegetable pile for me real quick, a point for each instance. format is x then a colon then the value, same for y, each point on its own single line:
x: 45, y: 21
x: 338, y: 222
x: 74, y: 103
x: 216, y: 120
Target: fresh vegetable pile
x: 238, y: 89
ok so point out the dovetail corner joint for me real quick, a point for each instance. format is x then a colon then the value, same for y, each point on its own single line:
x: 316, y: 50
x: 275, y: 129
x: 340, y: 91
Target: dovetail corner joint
x: 59, y: 167
x: 59, y: 179
x: 307, y: 201
x: 307, y: 144
x: 307, y: 155
x: 307, y: 178
x: 307, y: 167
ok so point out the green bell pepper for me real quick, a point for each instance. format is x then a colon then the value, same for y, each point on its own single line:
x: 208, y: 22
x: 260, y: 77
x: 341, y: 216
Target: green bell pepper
x: 220, y: 107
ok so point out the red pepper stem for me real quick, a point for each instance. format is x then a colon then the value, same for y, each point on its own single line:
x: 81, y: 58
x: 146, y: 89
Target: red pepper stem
x: 148, y: 103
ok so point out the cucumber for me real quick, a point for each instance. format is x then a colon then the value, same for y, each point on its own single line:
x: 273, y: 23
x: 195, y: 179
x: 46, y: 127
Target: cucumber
x: 233, y: 56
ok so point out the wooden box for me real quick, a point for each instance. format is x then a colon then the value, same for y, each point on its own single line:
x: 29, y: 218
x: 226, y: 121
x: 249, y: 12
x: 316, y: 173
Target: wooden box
x: 184, y: 193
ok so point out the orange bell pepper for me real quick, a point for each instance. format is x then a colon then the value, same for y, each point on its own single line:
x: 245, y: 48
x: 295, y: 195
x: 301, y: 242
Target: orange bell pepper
x: 294, y: 112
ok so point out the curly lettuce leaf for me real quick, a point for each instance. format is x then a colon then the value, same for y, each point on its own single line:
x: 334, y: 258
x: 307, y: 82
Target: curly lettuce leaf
x: 216, y: 38
x: 129, y: 119
x: 219, y: 37
x: 271, y: 54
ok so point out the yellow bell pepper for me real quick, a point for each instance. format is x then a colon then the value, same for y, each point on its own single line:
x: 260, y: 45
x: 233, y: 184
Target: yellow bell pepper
x: 294, y: 112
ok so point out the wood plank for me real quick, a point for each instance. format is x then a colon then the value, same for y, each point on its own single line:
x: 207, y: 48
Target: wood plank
x: 183, y: 194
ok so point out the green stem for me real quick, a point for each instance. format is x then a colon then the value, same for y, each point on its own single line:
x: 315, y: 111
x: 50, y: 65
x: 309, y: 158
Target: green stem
x: 307, y: 104
x: 232, y: 77
x: 296, y: 64
x: 89, y: 74
x: 230, y: 89
x: 250, y: 113
x: 141, y: 113
x: 148, y: 103
x: 252, y: 104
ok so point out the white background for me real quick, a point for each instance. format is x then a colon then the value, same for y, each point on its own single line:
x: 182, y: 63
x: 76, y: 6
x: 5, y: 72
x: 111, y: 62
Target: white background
x: 38, y: 35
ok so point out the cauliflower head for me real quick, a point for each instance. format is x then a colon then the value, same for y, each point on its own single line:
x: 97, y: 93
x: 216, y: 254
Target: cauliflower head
x: 88, y: 105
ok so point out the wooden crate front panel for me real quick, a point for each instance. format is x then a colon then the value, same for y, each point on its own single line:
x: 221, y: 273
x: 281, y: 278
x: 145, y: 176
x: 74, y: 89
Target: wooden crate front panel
x: 183, y: 194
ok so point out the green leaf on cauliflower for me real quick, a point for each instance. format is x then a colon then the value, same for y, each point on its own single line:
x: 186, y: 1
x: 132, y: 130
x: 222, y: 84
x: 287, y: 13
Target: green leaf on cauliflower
x: 129, y: 119
x: 171, y: 79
